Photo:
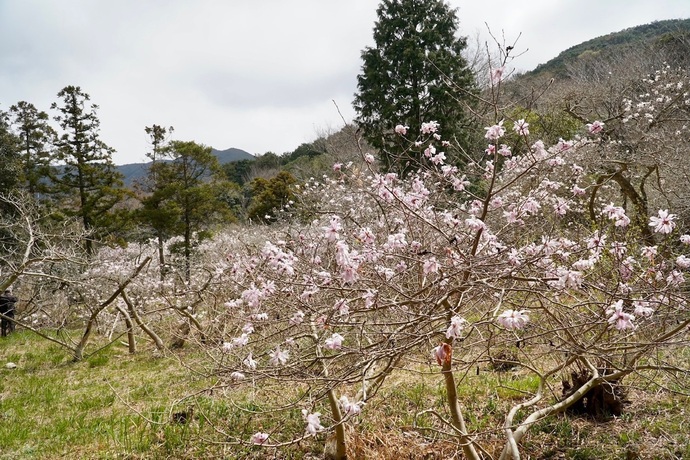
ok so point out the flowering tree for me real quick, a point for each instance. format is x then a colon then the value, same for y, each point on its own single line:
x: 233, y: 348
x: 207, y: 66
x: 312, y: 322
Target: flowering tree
x: 379, y: 272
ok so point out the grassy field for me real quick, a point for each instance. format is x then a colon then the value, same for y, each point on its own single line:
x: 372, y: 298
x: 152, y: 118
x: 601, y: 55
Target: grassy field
x: 148, y: 406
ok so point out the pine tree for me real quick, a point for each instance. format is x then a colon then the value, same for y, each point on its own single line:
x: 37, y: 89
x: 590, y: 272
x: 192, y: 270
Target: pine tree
x: 10, y: 164
x: 186, y: 199
x: 415, y: 73
x: 35, y: 136
x: 88, y: 179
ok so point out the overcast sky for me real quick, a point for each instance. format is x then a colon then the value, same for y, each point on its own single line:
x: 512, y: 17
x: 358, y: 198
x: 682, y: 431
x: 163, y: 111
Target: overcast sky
x: 259, y: 75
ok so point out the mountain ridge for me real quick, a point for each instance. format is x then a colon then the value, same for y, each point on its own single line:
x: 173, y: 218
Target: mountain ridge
x: 132, y: 172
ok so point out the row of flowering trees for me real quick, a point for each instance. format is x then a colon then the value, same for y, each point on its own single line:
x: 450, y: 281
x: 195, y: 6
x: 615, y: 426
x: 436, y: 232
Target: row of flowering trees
x: 440, y: 271
x: 525, y: 245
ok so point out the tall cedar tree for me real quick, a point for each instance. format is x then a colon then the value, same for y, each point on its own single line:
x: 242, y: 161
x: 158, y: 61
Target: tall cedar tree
x: 186, y: 197
x: 416, y: 73
x: 87, y: 177
x: 35, y: 136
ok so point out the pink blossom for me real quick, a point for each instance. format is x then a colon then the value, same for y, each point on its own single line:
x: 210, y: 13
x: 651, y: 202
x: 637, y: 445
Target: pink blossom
x: 561, y: 206
x: 369, y: 158
x: 250, y: 362
x: 342, y: 307
x: 349, y: 274
x: 683, y: 261
x: 664, y: 223
x: 648, y: 252
x: 430, y: 266
x: 369, y: 298
x: 297, y: 318
x: 675, y: 278
x: 331, y: 231
x: 402, y: 130
x: 337, y: 167
x: 438, y: 159
x: 643, y: 308
x: 459, y: 184
x: 240, y: 341
x: 227, y: 347
x: 350, y: 408
x: 496, y: 75
x: 313, y: 422
x: 279, y: 357
x: 430, y: 127
x: 495, y: 132
x: 595, y: 127
x: 259, y: 438
x: 505, y: 151
x: 429, y: 151
x: 521, y: 127
x: 570, y: 279
x: 577, y: 191
x: 619, y: 319
x: 513, y: 319
x: 475, y: 224
x: 335, y: 342
x: 457, y: 324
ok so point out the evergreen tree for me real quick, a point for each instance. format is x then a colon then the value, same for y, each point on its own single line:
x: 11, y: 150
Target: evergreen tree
x: 187, y: 197
x: 34, y: 135
x: 270, y: 195
x: 10, y: 164
x: 87, y: 178
x: 157, y: 214
x: 415, y: 73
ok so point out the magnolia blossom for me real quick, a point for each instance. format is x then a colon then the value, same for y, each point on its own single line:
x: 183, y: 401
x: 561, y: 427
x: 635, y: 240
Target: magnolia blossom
x: 350, y: 408
x: 331, y: 231
x: 595, y: 127
x: 342, y: 307
x: 430, y: 266
x: 643, y: 308
x: 241, y: 340
x: 475, y: 224
x: 369, y: 158
x: 685, y: 239
x: 335, y: 342
x: 430, y: 127
x: 250, y: 362
x: 297, y: 318
x: 496, y: 75
x: 664, y: 223
x: 279, y: 357
x: 513, y: 319
x: 457, y: 324
x: 337, y: 167
x: 402, y: 130
x: 313, y: 422
x: 495, y: 132
x: 620, y: 319
x: 227, y: 347
x: 521, y: 127
x: 683, y: 262
x: 259, y: 438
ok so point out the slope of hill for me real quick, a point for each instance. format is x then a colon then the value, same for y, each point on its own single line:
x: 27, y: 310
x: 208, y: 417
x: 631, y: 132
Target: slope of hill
x: 655, y: 33
x: 136, y: 171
